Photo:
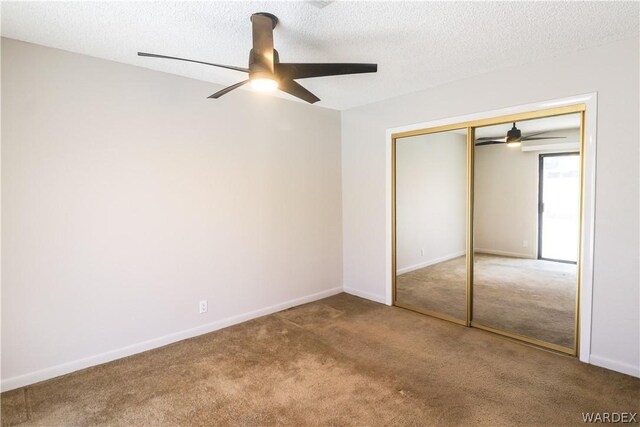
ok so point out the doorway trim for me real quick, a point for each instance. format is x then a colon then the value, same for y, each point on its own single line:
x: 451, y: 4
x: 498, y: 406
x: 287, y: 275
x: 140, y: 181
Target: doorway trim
x: 588, y: 188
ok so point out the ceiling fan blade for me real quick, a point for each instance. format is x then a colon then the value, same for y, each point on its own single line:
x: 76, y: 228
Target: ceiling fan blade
x: 303, y: 71
x: 298, y: 91
x: 537, y: 133
x: 489, y: 138
x: 227, y: 89
x: 488, y: 143
x: 528, y: 138
x: 229, y: 67
x: 262, y: 52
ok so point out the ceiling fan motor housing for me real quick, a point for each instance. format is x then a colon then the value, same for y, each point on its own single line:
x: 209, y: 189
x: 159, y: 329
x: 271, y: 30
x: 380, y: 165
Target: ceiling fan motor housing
x: 514, y: 134
x: 262, y: 57
x: 261, y: 69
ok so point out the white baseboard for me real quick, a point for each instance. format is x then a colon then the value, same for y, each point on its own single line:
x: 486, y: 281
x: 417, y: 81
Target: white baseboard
x: 366, y: 295
x: 503, y: 253
x: 66, y: 368
x: 614, y: 365
x: 429, y: 262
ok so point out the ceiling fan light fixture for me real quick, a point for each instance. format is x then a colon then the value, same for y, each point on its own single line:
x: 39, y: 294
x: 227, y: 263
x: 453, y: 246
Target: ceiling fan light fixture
x: 264, y: 84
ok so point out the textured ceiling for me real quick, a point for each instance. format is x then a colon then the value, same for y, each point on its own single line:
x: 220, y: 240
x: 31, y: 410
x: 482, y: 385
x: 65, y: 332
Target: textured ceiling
x: 416, y: 44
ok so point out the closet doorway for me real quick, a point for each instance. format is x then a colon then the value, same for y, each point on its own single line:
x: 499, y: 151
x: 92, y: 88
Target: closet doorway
x: 477, y: 239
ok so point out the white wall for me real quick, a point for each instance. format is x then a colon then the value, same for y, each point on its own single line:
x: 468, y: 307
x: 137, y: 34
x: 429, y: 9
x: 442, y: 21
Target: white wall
x: 127, y: 197
x: 431, y: 174
x: 612, y: 71
x: 505, y: 201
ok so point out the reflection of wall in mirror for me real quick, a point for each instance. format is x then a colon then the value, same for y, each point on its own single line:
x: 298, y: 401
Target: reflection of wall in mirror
x: 430, y: 199
x: 506, y: 196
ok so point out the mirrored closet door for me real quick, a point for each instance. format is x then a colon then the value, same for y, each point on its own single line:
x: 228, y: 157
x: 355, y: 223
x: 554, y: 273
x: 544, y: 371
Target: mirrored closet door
x: 430, y: 172
x: 526, y: 229
x: 486, y: 224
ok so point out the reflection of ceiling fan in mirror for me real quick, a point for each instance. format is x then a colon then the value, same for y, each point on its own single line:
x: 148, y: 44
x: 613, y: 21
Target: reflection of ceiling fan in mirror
x: 514, y: 137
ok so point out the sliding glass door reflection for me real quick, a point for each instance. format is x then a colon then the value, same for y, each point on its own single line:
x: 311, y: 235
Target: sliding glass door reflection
x: 517, y: 224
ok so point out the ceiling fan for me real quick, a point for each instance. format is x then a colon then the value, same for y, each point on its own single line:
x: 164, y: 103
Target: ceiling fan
x: 514, y: 137
x: 267, y: 73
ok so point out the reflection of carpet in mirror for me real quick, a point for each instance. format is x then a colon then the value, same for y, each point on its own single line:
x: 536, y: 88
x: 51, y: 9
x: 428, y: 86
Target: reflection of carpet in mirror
x: 529, y: 297
x: 439, y: 287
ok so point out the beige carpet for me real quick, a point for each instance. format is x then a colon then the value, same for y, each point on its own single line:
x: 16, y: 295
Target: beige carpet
x: 530, y: 297
x: 339, y: 361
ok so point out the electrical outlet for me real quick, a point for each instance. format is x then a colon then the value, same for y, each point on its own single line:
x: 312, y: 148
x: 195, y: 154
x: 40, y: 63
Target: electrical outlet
x: 203, y: 306
x: 421, y: 252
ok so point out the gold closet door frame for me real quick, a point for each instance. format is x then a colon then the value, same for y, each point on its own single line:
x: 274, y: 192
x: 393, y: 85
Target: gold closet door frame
x: 470, y: 128
x: 394, y: 139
